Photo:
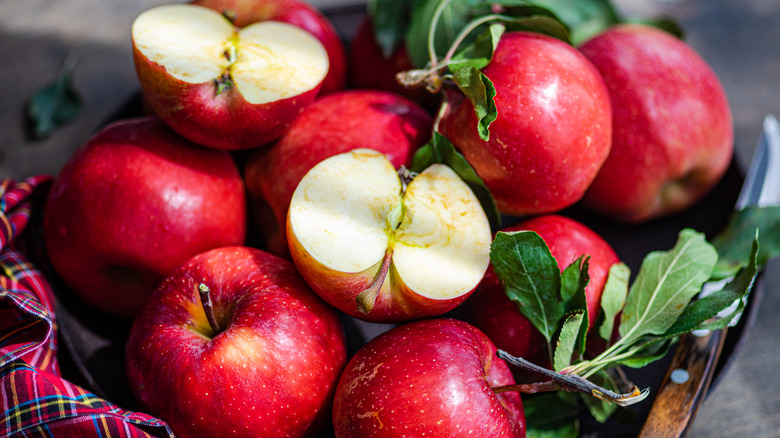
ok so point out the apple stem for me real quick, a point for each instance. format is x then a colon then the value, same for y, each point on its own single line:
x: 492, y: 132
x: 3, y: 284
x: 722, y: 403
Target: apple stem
x: 208, y: 307
x: 366, y: 299
x: 567, y: 382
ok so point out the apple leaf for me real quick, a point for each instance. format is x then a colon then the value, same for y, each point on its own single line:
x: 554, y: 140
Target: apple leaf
x: 455, y: 15
x: 699, y: 314
x: 481, y: 92
x: 734, y: 243
x: 574, y: 279
x: 441, y: 150
x: 54, y: 104
x: 613, y: 298
x: 666, y: 282
x: 569, y: 339
x: 648, y: 351
x: 583, y: 18
x: 478, y: 54
x: 531, y: 277
x: 389, y: 20
x: 552, y: 415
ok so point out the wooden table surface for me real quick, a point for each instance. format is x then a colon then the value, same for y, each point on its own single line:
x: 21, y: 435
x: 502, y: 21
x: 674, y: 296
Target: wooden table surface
x: 740, y: 40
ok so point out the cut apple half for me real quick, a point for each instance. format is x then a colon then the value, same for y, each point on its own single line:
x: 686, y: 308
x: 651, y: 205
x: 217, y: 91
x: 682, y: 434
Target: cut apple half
x: 381, y: 247
x: 266, y: 61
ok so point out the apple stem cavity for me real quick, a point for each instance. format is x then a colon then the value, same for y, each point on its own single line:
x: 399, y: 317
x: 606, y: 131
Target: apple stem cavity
x: 208, y: 307
x: 566, y: 382
x: 366, y: 299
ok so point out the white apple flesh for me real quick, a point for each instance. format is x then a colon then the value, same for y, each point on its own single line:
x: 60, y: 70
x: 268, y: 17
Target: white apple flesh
x: 221, y: 86
x: 383, y: 251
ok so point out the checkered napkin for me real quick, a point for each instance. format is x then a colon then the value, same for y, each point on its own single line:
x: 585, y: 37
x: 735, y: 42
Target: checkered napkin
x: 36, y: 400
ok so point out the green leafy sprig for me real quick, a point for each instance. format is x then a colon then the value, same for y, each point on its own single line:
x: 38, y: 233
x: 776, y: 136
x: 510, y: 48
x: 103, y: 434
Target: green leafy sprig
x: 658, y: 307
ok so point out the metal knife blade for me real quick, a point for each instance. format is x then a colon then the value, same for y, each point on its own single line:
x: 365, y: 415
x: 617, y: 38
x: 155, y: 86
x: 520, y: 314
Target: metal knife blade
x: 690, y: 373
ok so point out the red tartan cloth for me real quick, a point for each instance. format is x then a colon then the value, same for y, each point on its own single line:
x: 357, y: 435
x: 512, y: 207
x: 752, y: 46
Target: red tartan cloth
x: 36, y: 400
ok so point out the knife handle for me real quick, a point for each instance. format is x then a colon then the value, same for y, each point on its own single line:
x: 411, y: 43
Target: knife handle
x: 676, y: 404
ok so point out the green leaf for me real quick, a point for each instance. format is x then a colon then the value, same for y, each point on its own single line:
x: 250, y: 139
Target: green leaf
x: 735, y: 241
x: 531, y: 277
x: 481, y: 92
x: 390, y: 19
x: 552, y: 415
x: 601, y: 410
x: 54, y: 104
x: 584, y: 18
x: 613, y: 298
x: 478, y: 54
x: 664, y: 23
x: 697, y: 314
x: 574, y: 280
x: 455, y: 16
x: 539, y: 20
x: 665, y: 285
x: 441, y: 150
x: 568, y: 339
x: 649, y: 351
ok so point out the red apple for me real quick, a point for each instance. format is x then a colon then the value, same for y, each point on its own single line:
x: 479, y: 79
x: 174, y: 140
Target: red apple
x: 490, y: 310
x: 221, y: 86
x: 370, y: 69
x: 431, y: 378
x: 267, y: 365
x: 553, y: 129
x: 384, y: 249
x: 298, y: 13
x: 132, y: 204
x: 334, y: 124
x: 672, y: 127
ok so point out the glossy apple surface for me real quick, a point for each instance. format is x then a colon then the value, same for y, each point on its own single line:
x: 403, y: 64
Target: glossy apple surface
x: 132, y: 204
x: 490, y: 310
x: 429, y: 378
x: 553, y: 129
x: 384, y: 251
x: 334, y: 124
x: 269, y: 371
x: 298, y: 13
x: 672, y: 126
x: 220, y: 86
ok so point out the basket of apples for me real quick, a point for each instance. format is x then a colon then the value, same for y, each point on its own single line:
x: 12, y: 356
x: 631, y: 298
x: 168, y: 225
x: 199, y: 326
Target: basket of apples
x: 483, y: 216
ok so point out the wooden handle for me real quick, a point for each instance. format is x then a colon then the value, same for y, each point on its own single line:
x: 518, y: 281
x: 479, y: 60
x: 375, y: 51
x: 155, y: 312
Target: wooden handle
x: 684, y: 386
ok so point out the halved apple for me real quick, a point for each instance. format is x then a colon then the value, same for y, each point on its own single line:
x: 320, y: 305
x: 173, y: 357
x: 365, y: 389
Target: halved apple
x: 381, y: 247
x: 221, y: 86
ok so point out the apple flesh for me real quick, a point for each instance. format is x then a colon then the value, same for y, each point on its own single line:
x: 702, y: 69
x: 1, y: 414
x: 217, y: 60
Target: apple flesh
x: 673, y: 135
x: 333, y: 124
x: 295, y: 12
x: 224, y: 87
x: 269, y: 370
x: 132, y: 204
x: 494, y: 313
x: 383, y: 252
x: 427, y: 378
x: 553, y: 129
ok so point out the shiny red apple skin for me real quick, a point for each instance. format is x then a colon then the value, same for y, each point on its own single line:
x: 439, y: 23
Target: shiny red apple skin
x: 298, y: 13
x: 490, y: 310
x: 428, y: 378
x: 217, y: 120
x: 553, y: 129
x: 270, y: 372
x: 334, y: 124
x: 673, y: 133
x: 370, y: 69
x: 132, y: 204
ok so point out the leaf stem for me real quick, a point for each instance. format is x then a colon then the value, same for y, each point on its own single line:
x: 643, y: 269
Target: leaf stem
x: 432, y: 32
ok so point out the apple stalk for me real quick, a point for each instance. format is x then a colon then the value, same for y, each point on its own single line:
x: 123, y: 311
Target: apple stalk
x: 208, y: 307
x: 566, y: 382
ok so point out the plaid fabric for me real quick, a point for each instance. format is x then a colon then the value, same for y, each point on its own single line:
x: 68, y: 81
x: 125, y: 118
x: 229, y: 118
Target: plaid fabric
x: 36, y: 400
